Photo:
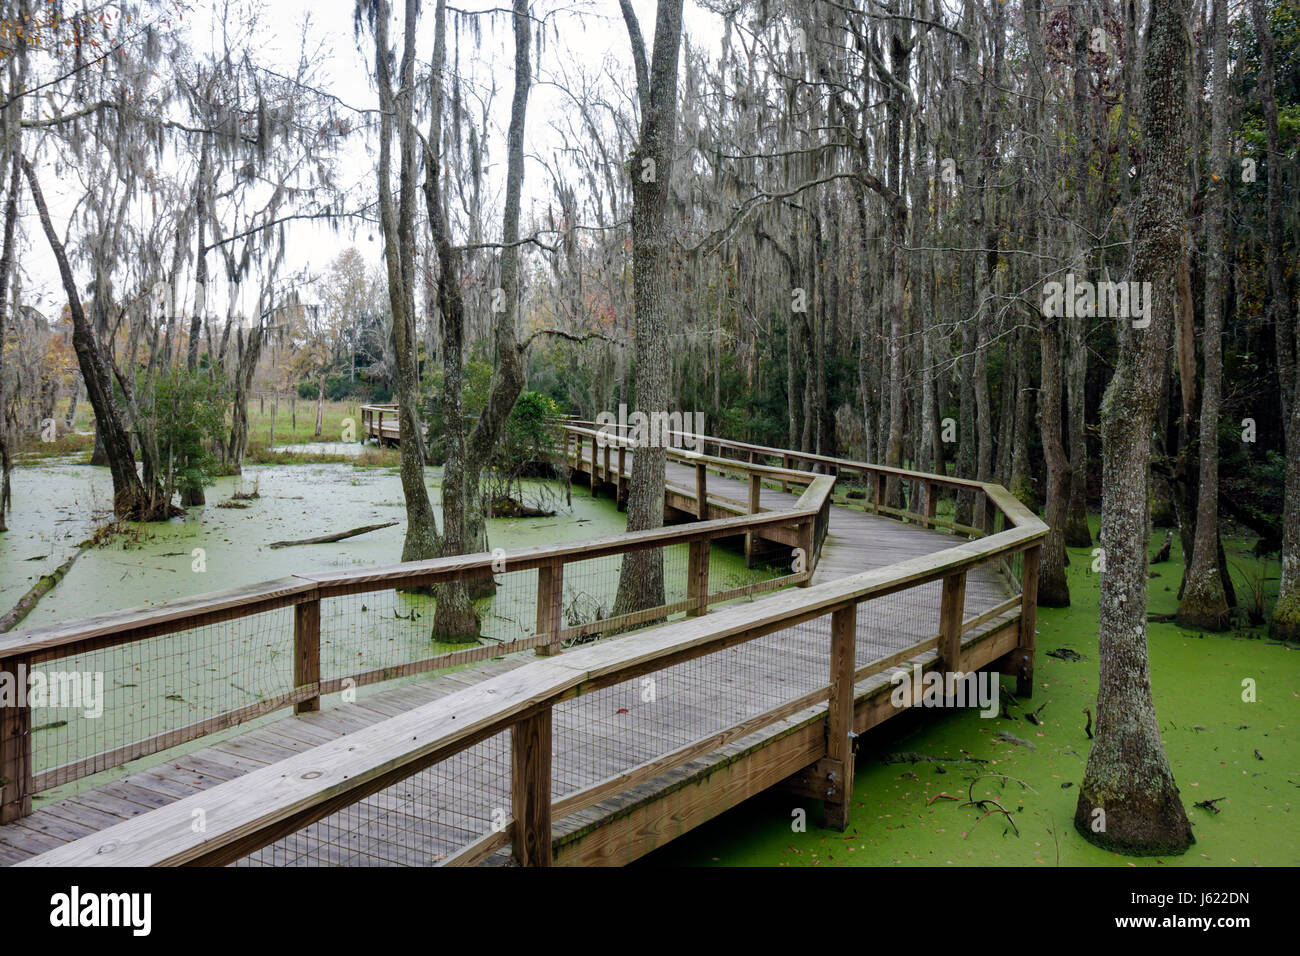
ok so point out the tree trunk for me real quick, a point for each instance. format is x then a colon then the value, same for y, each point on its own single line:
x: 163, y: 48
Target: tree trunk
x: 1204, y: 604
x: 641, y: 580
x: 1075, y: 354
x: 1128, y: 801
x: 1077, y: 533
x: 1284, y: 623
x: 320, y: 406
x: 397, y: 221
x: 131, y: 500
x: 1053, y: 588
x: 508, y: 376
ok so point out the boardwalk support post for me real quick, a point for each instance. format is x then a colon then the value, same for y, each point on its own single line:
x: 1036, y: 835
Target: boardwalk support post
x: 16, y: 783
x: 697, y: 578
x: 595, y: 451
x: 755, y: 490
x: 306, y: 653
x: 1028, y: 622
x: 550, y: 605
x: 839, y: 719
x: 530, y: 788
x: 620, y: 490
x: 951, y: 608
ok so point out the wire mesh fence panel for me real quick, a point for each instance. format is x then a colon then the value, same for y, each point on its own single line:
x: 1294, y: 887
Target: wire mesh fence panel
x: 590, y: 589
x: 388, y: 628
x: 102, y: 707
x: 419, y: 821
x: 618, y: 728
x: 894, y: 622
x: 1016, y: 571
x: 509, y: 612
x: 375, y: 629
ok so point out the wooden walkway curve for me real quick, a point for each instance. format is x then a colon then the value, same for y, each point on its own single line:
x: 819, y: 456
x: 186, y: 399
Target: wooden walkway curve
x: 644, y: 751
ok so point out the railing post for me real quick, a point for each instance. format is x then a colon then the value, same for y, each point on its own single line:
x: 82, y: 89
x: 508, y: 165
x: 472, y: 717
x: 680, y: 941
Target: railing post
x: 701, y: 492
x: 931, y: 503
x: 755, y: 492
x: 878, y: 491
x: 577, y: 452
x: 952, y: 607
x: 1028, y: 622
x: 697, y: 578
x: 839, y: 718
x: 306, y: 652
x: 16, y: 744
x: 550, y: 607
x: 530, y: 789
x: 785, y: 463
x: 807, y: 534
x: 620, y: 491
x: 605, y: 468
x: 594, y: 452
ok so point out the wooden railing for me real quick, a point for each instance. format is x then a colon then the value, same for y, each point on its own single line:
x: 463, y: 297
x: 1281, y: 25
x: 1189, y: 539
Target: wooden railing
x: 373, y: 424
x: 305, y: 593
x: 606, y: 458
x: 924, y: 486
x: 265, y: 805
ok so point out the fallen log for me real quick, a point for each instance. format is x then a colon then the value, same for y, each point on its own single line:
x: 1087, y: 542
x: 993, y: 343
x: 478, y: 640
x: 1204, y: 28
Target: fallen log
x: 327, y: 538
x: 43, y: 586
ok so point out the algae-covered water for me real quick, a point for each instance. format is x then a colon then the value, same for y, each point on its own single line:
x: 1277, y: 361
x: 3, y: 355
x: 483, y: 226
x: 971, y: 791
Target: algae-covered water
x: 55, y: 505
x: 174, y: 680
x: 1218, y: 744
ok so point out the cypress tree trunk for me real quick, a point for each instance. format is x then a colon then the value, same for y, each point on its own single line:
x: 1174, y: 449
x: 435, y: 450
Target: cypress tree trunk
x: 1075, y: 356
x: 641, y: 580
x: 1128, y: 800
x: 320, y: 405
x: 131, y: 499
x: 1053, y: 590
x: 397, y: 218
x: 1204, y: 604
x: 6, y: 270
x: 1285, y: 621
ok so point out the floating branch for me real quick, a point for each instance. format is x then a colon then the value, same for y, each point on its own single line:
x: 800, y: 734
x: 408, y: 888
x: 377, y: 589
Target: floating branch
x: 43, y: 586
x: 327, y: 538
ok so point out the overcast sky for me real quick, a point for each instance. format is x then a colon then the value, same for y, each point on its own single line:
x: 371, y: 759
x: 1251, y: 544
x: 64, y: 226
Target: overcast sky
x: 589, y: 32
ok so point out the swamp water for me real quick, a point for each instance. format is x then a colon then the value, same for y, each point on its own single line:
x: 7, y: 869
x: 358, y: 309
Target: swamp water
x: 911, y: 813
x: 160, y: 684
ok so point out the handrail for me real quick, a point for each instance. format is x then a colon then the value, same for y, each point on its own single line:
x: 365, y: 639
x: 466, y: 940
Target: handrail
x: 304, y: 593
x: 254, y: 810
x: 244, y: 601
x: 968, y: 484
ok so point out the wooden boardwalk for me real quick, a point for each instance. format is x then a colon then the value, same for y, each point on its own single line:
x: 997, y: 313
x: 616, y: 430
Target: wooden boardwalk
x: 436, y: 812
